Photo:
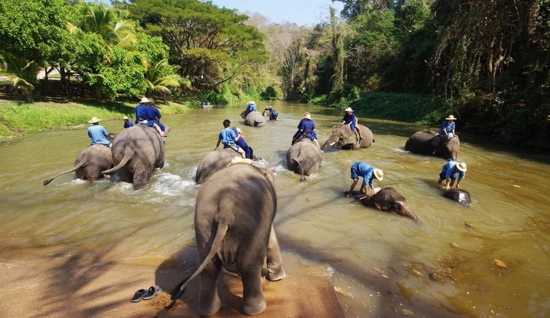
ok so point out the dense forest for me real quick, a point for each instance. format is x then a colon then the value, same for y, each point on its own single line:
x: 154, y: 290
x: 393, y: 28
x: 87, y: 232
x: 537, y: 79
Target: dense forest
x: 488, y: 61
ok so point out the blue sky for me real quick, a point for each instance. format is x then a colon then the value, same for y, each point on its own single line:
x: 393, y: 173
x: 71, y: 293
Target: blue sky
x: 302, y: 12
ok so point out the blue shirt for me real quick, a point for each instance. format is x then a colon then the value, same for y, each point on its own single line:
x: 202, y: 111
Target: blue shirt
x: 447, y: 128
x: 350, y: 118
x: 128, y: 124
x: 153, y: 113
x: 227, y: 136
x: 249, y: 108
x: 447, y: 171
x: 98, y: 135
x: 306, y: 125
x: 141, y: 113
x: 361, y: 169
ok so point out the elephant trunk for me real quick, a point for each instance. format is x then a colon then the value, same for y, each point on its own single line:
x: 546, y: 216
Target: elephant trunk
x: 405, y: 211
x: 330, y: 141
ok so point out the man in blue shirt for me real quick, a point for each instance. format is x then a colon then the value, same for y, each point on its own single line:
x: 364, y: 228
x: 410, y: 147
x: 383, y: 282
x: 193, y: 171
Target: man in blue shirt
x: 97, y: 133
x: 228, y: 137
x: 446, y: 133
x: 361, y: 169
x: 451, y: 170
x: 250, y: 106
x: 127, y: 122
x: 306, y: 129
x: 141, y: 110
x: 351, y: 120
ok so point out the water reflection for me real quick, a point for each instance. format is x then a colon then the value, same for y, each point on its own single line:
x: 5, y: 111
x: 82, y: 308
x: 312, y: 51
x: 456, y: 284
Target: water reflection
x: 382, y: 260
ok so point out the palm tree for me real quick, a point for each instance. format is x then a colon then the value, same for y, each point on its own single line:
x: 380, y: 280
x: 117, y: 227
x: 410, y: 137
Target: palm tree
x: 161, y: 76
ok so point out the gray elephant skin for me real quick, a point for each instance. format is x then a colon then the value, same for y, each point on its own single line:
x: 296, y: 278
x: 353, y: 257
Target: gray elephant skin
x: 214, y: 161
x: 388, y: 200
x: 89, y: 163
x: 458, y: 195
x: 342, y: 136
x: 231, y: 233
x: 136, y: 152
x: 304, y: 158
x: 254, y: 119
x: 421, y: 143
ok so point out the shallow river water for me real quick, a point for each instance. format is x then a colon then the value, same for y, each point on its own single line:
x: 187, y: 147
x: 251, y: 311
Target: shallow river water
x: 493, y: 257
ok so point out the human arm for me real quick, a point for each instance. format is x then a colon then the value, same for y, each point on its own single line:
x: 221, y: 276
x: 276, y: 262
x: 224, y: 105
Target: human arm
x: 218, y: 144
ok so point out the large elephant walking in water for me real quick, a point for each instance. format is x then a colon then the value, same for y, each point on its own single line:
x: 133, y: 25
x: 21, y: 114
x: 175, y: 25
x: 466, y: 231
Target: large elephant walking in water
x: 304, y: 158
x: 254, y: 119
x: 344, y: 137
x: 89, y: 163
x: 234, y: 216
x: 214, y: 161
x: 136, y: 152
x: 422, y: 142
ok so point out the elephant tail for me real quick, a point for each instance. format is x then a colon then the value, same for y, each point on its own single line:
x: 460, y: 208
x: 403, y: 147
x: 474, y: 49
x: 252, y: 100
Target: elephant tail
x: 124, y: 161
x: 300, y: 170
x: 79, y: 165
x: 220, y: 235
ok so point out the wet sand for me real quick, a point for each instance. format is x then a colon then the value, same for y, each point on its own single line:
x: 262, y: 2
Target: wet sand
x: 74, y: 286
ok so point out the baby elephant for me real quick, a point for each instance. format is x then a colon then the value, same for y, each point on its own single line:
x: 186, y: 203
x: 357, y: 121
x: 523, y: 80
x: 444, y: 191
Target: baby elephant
x: 389, y: 200
x: 234, y: 214
x: 458, y: 195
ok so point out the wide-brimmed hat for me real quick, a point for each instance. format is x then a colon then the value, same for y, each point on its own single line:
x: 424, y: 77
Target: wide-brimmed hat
x: 125, y: 117
x: 379, y: 174
x: 348, y: 109
x: 308, y: 116
x: 251, y: 102
x: 144, y: 100
x: 94, y: 120
x: 238, y: 130
x: 461, y: 166
x: 451, y: 117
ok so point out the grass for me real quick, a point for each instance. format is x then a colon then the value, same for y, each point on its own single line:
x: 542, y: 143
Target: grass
x: 17, y: 118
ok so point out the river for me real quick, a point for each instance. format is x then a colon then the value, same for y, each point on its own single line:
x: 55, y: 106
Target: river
x: 492, y: 257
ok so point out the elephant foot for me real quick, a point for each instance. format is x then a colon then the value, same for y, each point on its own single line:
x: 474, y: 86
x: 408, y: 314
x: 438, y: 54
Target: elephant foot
x: 274, y: 275
x: 254, y: 307
x: 211, y: 309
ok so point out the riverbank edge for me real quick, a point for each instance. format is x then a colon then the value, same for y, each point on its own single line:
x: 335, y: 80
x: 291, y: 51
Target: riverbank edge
x: 18, y: 119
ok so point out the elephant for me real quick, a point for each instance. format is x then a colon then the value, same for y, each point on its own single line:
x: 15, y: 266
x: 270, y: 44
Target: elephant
x: 421, y: 142
x: 343, y: 136
x: 136, y: 152
x: 304, y: 158
x: 234, y: 215
x: 89, y: 163
x: 254, y: 119
x: 458, y: 195
x: 388, y: 200
x: 213, y: 162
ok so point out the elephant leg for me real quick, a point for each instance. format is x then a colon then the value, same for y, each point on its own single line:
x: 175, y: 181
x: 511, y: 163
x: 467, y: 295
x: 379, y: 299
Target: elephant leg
x: 209, y: 301
x: 141, y: 177
x: 275, y: 269
x: 253, y: 297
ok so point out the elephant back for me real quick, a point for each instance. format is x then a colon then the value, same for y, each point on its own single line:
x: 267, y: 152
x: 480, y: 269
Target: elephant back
x: 304, y: 157
x: 214, y: 161
x: 458, y: 195
x: 421, y: 142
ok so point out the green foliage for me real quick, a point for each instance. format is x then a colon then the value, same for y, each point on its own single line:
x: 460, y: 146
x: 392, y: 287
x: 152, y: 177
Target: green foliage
x: 272, y: 92
x: 422, y: 109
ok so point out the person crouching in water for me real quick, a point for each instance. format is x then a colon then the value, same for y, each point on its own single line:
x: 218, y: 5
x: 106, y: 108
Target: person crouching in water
x: 228, y: 138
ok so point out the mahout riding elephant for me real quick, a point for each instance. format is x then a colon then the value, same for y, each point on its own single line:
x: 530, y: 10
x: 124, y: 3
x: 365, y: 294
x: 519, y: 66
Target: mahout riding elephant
x: 386, y: 199
x: 213, y: 162
x: 421, y: 142
x: 304, y: 158
x: 254, y: 119
x: 344, y: 137
x: 136, y: 152
x: 89, y: 163
x: 458, y: 195
x: 234, y: 215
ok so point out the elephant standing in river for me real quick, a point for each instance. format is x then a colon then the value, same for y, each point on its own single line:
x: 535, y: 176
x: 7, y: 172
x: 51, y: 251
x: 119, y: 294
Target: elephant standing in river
x: 304, y: 158
x: 421, y: 142
x: 389, y: 200
x: 343, y: 136
x: 458, y: 195
x: 234, y: 215
x: 136, y: 152
x: 254, y: 119
x: 213, y: 162
x: 89, y: 163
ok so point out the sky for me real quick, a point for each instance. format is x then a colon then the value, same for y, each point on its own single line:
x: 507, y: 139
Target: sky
x: 301, y: 12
